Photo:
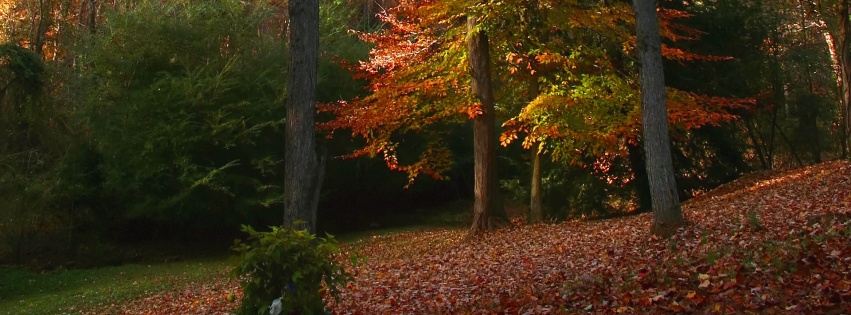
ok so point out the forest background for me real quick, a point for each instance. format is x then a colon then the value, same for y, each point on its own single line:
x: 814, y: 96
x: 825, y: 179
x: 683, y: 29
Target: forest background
x: 134, y: 122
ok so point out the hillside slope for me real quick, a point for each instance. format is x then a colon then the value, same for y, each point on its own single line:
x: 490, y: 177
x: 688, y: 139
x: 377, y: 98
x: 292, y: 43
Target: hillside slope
x: 768, y: 243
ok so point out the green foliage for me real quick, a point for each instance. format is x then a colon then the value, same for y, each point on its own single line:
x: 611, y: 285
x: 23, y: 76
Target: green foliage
x: 708, y: 157
x: 22, y: 68
x: 23, y: 78
x: 287, y: 263
x: 168, y: 117
x: 515, y: 190
x: 338, y: 46
x: 27, y: 155
x: 584, y: 192
x: 26, y: 213
x: 590, y: 189
x: 796, y: 117
x: 185, y: 106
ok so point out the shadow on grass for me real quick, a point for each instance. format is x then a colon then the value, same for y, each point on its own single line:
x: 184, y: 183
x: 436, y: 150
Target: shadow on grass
x: 64, y: 291
x: 455, y: 215
x: 70, y: 291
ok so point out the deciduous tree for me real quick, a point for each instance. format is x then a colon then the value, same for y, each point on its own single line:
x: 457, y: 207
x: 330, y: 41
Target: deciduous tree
x: 303, y: 168
x: 667, y: 214
x: 587, y: 114
x: 834, y: 19
x: 418, y: 83
x: 487, y: 209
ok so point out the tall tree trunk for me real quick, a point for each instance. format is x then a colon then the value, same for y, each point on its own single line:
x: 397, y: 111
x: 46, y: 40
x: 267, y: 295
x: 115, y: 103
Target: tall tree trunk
x: 779, y: 96
x: 841, y: 87
x: 807, y: 111
x: 755, y: 140
x: 843, y: 137
x: 91, y: 16
x: 533, y: 17
x: 40, y: 29
x: 536, y: 204
x: 837, y: 35
x: 667, y: 214
x: 488, y: 213
x: 88, y: 15
x: 301, y: 166
x: 789, y: 143
x: 845, y: 62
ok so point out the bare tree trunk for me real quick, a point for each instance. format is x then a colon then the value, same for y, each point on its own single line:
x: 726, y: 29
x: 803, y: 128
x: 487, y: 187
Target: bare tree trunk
x: 789, y: 143
x: 779, y: 97
x: 92, y: 16
x: 845, y: 62
x: 667, y: 214
x: 366, y: 19
x: 88, y: 15
x: 301, y: 166
x: 807, y: 114
x: 488, y: 213
x: 837, y: 35
x: 40, y: 29
x: 536, y: 204
x: 757, y: 144
x: 808, y: 118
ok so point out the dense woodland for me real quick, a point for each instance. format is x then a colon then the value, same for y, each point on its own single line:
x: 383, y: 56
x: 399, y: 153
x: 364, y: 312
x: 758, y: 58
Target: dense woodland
x: 553, y: 141
x: 164, y: 120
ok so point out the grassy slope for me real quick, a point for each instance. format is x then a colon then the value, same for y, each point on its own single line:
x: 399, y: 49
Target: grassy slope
x: 161, y: 288
x: 71, y: 291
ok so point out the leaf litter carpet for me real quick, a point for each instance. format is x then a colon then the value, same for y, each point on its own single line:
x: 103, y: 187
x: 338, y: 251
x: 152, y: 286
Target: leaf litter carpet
x: 767, y: 243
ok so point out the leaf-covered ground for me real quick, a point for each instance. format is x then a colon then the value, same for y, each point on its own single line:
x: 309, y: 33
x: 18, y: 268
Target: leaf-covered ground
x: 768, y: 243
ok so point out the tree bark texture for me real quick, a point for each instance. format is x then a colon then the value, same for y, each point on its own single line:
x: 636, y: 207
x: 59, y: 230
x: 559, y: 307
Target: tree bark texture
x: 837, y: 35
x: 536, y: 204
x: 91, y: 20
x: 301, y: 166
x: 667, y: 214
x: 844, y: 58
x: 842, y: 61
x: 40, y: 29
x: 488, y: 213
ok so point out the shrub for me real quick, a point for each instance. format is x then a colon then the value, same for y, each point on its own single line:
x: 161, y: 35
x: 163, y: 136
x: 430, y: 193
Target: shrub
x: 183, y: 102
x: 290, y: 264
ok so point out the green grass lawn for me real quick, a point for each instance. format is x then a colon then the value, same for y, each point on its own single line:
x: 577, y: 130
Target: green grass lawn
x: 72, y: 291
x: 69, y: 291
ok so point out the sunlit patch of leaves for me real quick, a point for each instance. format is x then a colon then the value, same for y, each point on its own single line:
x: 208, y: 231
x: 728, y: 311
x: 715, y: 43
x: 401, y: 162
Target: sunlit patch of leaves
x: 220, y: 295
x: 796, y: 261
x: 720, y: 263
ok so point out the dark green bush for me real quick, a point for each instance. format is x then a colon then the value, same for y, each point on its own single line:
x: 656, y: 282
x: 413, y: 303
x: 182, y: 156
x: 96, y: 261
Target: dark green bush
x: 291, y: 264
x: 184, y: 104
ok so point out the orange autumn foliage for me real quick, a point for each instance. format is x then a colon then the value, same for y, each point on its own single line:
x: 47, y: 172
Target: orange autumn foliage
x: 417, y: 75
x: 418, y: 79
